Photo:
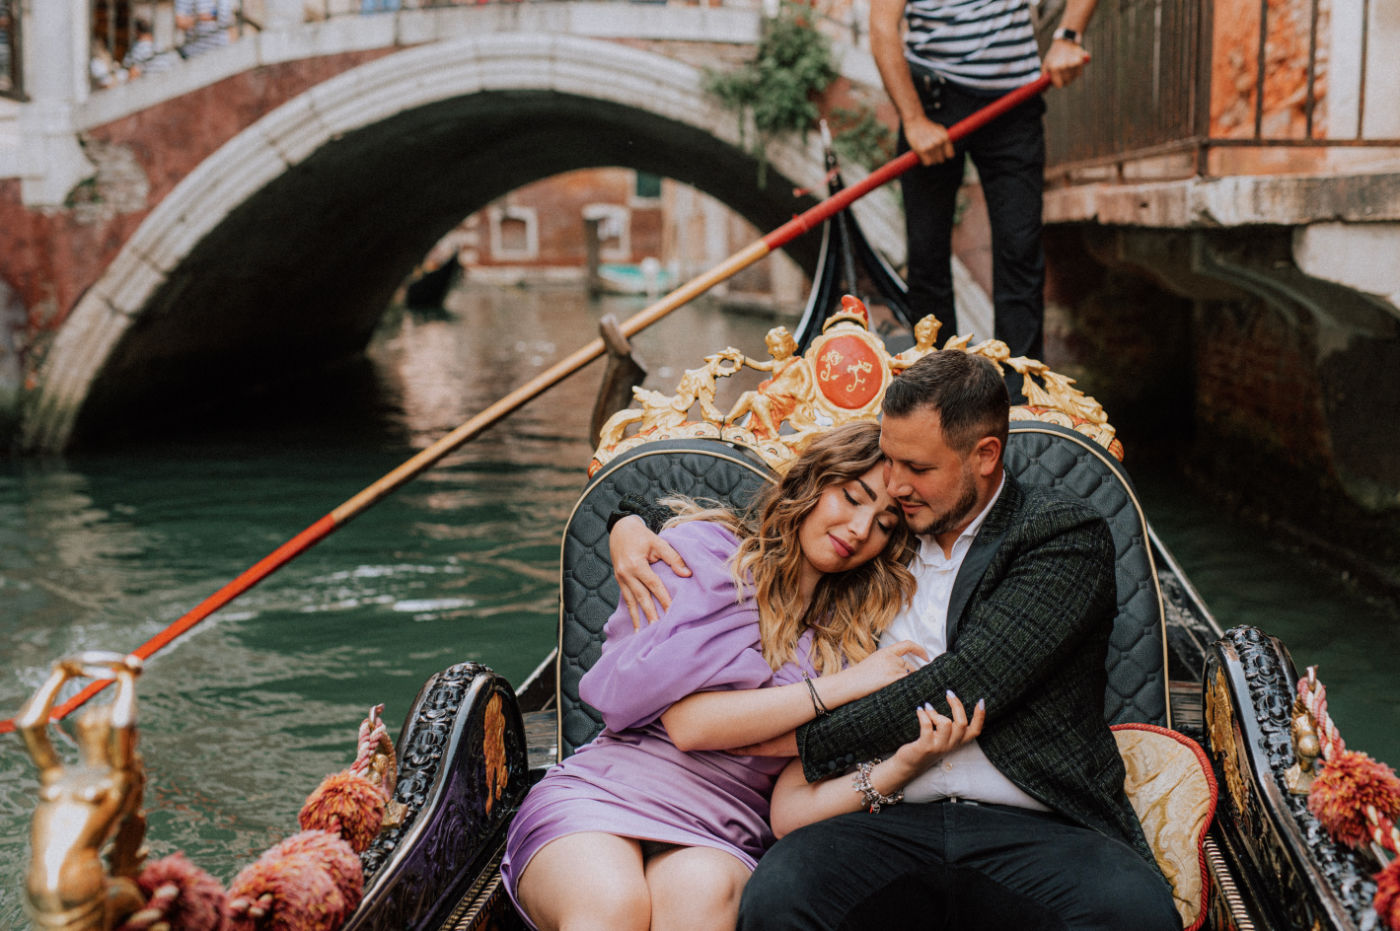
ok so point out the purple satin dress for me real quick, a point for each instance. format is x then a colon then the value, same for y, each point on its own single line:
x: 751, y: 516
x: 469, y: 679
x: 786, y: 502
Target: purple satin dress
x: 631, y: 780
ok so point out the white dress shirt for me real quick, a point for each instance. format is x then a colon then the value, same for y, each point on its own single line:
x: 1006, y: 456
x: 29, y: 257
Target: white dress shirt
x: 965, y: 772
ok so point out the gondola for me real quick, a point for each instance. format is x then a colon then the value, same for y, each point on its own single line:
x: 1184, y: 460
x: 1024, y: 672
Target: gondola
x: 471, y: 744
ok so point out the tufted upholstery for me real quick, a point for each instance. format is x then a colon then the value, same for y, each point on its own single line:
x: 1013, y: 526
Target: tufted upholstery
x: 1045, y: 454
x: 695, y: 468
x: 1036, y: 454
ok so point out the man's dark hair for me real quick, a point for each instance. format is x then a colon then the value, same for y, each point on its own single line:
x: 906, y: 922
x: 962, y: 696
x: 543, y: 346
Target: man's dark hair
x: 966, y: 391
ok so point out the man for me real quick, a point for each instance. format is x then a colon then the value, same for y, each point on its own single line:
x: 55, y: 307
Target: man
x: 954, y: 57
x: 1028, y: 825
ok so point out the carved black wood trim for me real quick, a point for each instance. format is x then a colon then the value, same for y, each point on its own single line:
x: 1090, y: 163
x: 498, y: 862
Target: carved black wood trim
x: 1311, y: 882
x: 455, y: 820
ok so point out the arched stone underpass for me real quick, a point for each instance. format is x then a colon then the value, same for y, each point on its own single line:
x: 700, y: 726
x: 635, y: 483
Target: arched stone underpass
x: 289, y: 267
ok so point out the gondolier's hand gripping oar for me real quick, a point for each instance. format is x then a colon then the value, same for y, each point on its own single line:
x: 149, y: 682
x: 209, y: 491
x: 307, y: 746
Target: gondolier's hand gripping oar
x: 342, y: 515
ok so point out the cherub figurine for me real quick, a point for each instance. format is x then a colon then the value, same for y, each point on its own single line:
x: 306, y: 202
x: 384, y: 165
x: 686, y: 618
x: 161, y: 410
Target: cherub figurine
x: 925, y: 335
x: 83, y: 807
x: 787, y: 395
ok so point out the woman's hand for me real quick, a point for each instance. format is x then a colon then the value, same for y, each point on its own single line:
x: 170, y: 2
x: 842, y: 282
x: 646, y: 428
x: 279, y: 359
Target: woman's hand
x: 633, y: 548
x: 887, y: 664
x: 938, y: 734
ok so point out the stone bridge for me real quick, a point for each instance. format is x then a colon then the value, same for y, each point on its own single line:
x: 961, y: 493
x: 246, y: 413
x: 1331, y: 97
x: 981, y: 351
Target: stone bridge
x: 255, y: 207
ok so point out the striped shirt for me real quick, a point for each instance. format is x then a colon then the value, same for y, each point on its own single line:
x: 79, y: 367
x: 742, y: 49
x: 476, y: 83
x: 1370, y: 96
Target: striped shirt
x: 983, y: 45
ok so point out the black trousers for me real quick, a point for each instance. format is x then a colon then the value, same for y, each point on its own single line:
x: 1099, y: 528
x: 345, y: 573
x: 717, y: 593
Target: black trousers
x: 959, y: 867
x: 1009, y: 154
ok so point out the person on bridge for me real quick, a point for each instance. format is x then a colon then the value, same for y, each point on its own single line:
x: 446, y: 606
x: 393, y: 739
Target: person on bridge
x: 206, y: 25
x: 941, y: 60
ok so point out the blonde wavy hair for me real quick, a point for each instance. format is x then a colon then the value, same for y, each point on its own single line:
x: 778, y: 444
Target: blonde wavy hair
x: 849, y: 610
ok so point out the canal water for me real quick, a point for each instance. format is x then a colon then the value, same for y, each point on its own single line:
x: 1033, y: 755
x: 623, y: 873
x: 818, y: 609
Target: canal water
x: 245, y: 715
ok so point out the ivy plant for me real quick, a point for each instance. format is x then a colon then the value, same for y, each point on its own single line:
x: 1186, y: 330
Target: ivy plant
x: 859, y: 137
x: 779, y: 88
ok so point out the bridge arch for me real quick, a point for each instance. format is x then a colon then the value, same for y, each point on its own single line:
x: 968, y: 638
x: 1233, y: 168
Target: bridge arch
x: 285, y: 245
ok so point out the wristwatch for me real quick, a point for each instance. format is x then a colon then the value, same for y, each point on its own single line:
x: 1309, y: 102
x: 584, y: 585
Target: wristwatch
x: 1069, y: 35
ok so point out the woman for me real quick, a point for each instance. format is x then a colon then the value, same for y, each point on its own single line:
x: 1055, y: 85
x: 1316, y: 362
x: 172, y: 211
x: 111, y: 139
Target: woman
x: 654, y: 824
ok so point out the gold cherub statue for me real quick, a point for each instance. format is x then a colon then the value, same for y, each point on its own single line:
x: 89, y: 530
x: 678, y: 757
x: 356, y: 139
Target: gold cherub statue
x: 83, y: 808
x: 787, y: 395
x: 925, y: 335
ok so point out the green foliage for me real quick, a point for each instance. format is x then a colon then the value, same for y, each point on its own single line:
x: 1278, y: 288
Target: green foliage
x: 780, y: 87
x: 859, y: 138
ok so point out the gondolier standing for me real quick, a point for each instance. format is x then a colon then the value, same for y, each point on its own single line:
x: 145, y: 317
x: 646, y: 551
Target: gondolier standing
x: 951, y: 59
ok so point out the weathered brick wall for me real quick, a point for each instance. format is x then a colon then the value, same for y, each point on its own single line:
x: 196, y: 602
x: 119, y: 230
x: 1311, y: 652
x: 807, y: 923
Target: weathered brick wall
x: 52, y: 256
x: 1257, y: 386
x: 1278, y: 412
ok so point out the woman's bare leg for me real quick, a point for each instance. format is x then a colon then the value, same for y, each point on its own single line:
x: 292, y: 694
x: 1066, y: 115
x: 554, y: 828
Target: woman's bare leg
x: 695, y: 889
x: 582, y: 882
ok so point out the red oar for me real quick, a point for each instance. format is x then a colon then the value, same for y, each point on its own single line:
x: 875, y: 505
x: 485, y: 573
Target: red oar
x: 562, y: 369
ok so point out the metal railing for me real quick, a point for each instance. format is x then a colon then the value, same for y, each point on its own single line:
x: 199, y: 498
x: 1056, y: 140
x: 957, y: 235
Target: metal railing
x: 1186, y: 76
x: 11, y: 71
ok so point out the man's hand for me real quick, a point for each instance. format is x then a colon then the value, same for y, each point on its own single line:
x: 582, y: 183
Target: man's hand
x: 1064, y: 61
x: 929, y: 140
x: 634, y: 548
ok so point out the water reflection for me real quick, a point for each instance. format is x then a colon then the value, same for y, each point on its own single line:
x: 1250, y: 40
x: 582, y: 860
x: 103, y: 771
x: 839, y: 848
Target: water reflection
x: 246, y: 714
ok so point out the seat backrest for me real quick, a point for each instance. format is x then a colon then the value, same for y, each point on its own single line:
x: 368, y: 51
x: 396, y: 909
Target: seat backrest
x: 695, y: 468
x: 1045, y: 454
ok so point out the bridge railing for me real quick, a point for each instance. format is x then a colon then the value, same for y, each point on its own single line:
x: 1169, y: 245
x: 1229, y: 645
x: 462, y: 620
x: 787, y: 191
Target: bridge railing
x: 1207, y: 83
x: 135, y: 37
x: 11, y: 74
x: 326, y: 9
x: 122, y: 50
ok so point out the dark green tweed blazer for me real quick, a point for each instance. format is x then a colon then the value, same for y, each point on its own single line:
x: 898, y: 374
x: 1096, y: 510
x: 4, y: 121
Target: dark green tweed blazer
x: 1029, y: 622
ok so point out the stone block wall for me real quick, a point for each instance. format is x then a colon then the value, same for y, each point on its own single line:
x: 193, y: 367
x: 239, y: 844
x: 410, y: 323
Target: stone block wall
x: 1282, y: 405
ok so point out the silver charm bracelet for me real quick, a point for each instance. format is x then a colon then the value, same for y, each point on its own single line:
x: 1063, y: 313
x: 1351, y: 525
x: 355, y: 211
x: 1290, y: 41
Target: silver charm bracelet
x: 874, y: 801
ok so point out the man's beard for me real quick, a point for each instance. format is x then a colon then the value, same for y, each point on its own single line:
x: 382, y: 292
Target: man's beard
x: 957, y: 513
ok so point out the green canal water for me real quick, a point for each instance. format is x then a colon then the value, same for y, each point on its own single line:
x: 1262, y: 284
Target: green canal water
x: 245, y: 715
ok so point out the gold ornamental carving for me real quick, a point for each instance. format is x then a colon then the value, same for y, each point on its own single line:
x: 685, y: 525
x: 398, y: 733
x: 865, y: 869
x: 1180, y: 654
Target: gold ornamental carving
x: 1220, y: 728
x: 841, y: 378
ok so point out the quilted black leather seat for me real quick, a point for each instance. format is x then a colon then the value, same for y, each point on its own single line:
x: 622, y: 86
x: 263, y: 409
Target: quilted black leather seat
x: 1036, y: 454
x: 588, y: 592
x: 1045, y: 454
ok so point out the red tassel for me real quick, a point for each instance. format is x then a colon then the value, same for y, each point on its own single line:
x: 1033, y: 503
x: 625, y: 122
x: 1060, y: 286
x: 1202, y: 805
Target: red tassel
x: 180, y: 896
x: 1387, y: 901
x: 348, y: 805
x: 1347, y: 784
x: 310, y: 882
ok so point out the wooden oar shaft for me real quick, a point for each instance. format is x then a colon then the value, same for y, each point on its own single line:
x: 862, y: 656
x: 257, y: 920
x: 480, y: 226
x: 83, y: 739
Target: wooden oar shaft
x: 547, y: 379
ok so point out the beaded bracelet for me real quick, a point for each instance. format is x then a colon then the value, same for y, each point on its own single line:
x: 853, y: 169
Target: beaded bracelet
x: 873, y: 799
